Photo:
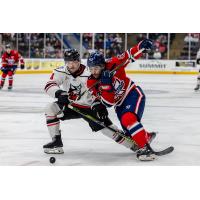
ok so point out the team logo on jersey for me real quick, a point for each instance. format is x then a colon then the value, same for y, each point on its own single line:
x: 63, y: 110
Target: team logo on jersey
x: 128, y: 106
x: 11, y: 61
x: 119, y: 87
x: 74, y: 92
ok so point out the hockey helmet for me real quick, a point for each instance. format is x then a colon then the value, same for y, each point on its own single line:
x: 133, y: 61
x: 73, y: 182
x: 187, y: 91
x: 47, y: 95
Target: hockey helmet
x: 96, y: 59
x: 7, y: 46
x: 71, y: 55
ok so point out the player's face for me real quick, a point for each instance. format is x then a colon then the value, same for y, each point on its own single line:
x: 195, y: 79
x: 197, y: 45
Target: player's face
x: 8, y: 50
x: 96, y: 71
x: 73, y: 66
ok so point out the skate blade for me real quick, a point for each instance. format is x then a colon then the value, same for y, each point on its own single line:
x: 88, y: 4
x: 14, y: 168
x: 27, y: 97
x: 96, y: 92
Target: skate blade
x: 54, y: 150
x: 147, y: 158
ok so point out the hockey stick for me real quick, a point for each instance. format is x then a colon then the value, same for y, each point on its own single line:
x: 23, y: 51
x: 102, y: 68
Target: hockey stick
x: 162, y: 152
x: 101, y: 123
x: 157, y: 153
x: 90, y: 117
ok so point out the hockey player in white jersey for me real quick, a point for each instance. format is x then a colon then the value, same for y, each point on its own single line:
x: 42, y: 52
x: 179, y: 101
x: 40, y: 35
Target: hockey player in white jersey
x: 72, y: 77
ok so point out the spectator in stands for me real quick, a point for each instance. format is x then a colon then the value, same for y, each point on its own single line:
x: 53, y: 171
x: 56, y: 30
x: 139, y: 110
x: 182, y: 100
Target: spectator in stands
x: 50, y: 50
x: 157, y: 54
x: 99, y: 41
x: 190, y: 38
x: 37, y: 53
x: 87, y: 40
x: 117, y: 44
x: 140, y: 37
x: 59, y: 53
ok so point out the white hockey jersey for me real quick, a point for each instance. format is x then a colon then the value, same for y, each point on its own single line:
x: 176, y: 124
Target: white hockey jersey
x: 75, y: 85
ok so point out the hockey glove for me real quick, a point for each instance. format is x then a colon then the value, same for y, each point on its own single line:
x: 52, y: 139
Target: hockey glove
x: 100, y: 111
x: 106, y: 80
x: 146, y: 44
x: 14, y: 68
x: 2, y: 69
x: 62, y: 97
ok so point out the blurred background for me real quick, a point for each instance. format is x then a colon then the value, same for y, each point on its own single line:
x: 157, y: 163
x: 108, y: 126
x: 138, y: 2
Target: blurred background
x: 172, y: 52
x: 182, y: 46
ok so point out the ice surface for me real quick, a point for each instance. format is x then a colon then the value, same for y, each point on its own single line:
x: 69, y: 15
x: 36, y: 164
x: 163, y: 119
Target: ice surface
x: 172, y: 109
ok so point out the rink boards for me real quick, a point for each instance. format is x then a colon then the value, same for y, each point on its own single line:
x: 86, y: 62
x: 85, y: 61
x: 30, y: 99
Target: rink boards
x: 44, y: 66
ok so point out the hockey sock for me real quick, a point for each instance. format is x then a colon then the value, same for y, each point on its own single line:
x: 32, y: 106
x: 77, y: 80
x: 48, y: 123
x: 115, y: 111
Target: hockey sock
x: 3, y: 78
x: 10, y: 78
x: 135, y: 129
x: 53, y: 125
x: 114, y: 136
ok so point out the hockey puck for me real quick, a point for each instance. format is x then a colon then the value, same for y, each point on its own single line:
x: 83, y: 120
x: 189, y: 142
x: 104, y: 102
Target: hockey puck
x: 52, y: 160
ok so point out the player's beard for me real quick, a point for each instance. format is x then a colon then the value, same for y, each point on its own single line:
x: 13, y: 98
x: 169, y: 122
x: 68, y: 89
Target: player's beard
x: 97, y: 76
x: 73, y: 70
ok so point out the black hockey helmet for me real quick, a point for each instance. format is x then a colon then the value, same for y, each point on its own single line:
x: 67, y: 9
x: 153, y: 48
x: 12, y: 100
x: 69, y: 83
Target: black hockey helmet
x: 71, y: 55
x: 96, y: 59
x: 7, y: 46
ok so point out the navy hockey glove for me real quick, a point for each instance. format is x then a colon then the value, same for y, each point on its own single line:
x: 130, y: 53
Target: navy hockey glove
x: 106, y: 80
x: 146, y: 44
x: 5, y: 69
x: 62, y: 97
x: 100, y: 111
x: 2, y: 69
x: 14, y: 68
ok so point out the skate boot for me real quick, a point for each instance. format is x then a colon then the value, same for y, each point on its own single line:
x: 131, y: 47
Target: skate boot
x: 9, y: 87
x: 197, y: 87
x: 54, y: 147
x: 145, y: 154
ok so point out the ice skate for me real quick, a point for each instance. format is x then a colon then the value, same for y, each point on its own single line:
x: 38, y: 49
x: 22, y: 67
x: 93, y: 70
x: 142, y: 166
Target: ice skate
x: 9, y: 87
x: 197, y: 87
x: 145, y: 154
x: 54, y: 147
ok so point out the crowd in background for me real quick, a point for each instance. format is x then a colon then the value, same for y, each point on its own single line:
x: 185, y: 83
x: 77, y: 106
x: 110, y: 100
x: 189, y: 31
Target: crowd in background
x: 114, y: 43
x: 40, y: 45
x: 192, y: 42
x: 33, y: 45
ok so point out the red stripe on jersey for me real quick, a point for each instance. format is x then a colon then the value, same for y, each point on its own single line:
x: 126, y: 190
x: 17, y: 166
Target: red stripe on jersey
x: 52, y: 75
x: 53, y: 84
x: 139, y: 100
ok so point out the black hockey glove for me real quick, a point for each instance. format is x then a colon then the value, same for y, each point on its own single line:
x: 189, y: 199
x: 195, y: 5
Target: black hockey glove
x: 100, y: 111
x: 62, y: 97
